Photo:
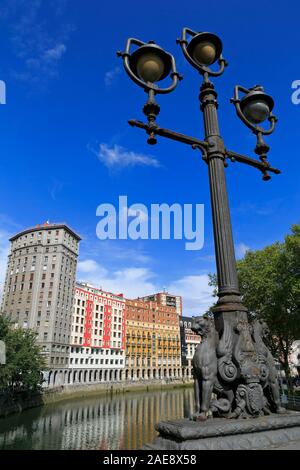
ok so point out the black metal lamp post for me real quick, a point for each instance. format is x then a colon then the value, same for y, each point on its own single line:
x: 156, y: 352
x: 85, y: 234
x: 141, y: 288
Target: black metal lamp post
x: 149, y: 64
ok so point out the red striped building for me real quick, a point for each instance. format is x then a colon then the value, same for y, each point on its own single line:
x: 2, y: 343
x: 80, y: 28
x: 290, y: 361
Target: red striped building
x: 98, y: 329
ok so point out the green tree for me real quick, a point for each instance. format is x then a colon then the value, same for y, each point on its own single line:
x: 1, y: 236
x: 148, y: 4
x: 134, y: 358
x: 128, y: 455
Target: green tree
x: 24, y: 361
x: 4, y: 326
x: 269, y: 282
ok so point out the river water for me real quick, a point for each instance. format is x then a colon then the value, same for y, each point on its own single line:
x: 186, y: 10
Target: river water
x: 110, y: 422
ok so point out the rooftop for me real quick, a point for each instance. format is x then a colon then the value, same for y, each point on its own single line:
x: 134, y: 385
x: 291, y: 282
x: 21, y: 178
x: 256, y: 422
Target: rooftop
x: 86, y: 285
x: 46, y: 226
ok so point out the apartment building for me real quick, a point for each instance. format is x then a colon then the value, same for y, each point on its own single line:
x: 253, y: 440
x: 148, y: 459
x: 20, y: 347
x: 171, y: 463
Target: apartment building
x: 152, y: 341
x: 98, y: 332
x: 39, y: 286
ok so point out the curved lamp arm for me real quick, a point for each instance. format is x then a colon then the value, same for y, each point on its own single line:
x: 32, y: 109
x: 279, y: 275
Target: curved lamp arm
x: 201, y: 68
x: 255, y: 128
x: 147, y: 85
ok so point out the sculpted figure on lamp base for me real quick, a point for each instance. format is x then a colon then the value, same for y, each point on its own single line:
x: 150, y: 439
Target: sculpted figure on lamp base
x: 237, y: 367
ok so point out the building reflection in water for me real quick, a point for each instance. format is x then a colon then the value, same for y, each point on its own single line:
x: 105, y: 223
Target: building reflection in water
x: 109, y: 422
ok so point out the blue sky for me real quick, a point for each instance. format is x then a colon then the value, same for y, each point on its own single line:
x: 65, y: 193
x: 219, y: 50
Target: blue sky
x: 67, y: 94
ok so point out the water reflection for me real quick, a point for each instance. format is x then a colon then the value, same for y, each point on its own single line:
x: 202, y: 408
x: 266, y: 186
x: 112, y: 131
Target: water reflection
x: 108, y: 422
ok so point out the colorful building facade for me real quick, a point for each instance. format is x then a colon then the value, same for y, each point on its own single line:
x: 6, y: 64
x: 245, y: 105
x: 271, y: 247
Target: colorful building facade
x: 152, y: 341
x: 98, y: 331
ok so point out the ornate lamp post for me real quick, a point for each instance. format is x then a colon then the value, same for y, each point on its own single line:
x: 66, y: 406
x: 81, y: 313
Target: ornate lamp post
x: 232, y: 359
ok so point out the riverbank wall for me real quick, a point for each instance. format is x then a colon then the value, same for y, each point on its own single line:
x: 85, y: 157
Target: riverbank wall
x: 9, y: 406
x: 68, y: 392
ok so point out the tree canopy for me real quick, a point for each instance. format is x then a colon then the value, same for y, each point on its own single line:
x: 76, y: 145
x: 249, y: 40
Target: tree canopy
x: 269, y: 282
x: 24, y: 361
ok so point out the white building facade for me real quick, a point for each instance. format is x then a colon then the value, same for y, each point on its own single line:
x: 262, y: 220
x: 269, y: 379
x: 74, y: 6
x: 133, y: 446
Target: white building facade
x: 189, y: 344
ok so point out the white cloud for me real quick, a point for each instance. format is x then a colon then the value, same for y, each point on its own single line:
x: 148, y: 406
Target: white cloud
x: 132, y: 282
x: 87, y: 266
x: 55, y: 53
x: 117, y: 156
x: 196, y: 293
x: 111, y: 75
x: 241, y: 249
x: 38, y: 42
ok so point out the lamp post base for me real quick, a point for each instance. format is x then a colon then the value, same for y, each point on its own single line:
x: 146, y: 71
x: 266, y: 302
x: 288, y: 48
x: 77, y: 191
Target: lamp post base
x: 265, y: 432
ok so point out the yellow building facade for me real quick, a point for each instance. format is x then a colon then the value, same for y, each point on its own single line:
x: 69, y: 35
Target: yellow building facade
x: 152, y: 341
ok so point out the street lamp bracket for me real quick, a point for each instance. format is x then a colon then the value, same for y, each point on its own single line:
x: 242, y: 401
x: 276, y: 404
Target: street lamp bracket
x: 163, y: 58
x: 210, y: 47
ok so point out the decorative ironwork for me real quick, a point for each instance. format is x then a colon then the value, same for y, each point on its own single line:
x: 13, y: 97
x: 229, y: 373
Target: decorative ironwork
x: 232, y: 361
